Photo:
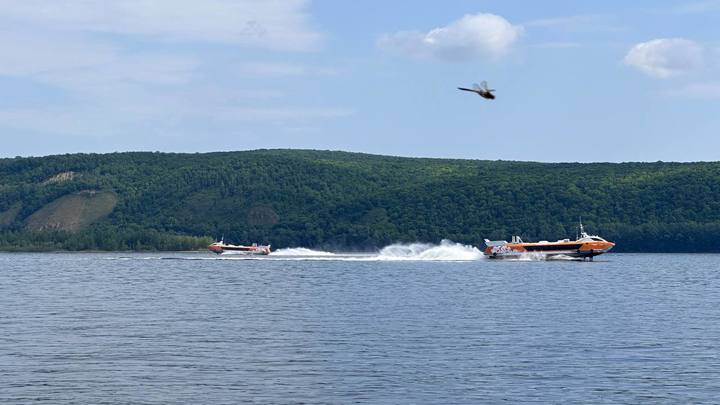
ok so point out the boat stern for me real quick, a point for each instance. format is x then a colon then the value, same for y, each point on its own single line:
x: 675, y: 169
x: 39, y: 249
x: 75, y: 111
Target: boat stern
x: 502, y: 249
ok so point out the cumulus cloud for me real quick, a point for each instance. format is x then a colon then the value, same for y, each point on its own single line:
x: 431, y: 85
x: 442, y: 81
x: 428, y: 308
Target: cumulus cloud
x: 471, y: 37
x: 279, y: 25
x: 662, y: 58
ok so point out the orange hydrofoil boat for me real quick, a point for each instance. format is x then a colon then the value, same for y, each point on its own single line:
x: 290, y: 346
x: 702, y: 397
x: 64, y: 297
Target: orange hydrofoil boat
x: 584, y: 247
x: 254, y: 249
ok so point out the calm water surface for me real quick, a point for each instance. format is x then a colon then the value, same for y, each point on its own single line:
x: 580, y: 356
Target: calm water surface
x: 177, y: 328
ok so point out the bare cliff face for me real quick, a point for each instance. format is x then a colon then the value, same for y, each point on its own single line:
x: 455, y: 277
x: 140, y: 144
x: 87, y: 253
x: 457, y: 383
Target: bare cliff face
x: 73, y: 212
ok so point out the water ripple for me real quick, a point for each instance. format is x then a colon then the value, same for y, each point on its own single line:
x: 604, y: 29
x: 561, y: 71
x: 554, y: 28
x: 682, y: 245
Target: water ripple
x: 79, y: 328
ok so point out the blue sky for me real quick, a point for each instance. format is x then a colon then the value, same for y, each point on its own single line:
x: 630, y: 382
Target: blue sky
x: 576, y: 81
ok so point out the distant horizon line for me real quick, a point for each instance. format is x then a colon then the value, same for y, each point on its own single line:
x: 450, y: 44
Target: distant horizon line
x: 356, y: 153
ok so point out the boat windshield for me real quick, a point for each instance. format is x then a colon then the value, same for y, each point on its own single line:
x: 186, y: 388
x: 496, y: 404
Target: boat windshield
x: 590, y: 238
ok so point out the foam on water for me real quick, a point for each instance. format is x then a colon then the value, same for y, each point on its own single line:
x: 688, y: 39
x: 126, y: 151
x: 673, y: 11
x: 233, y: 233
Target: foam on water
x: 445, y: 251
x: 564, y: 258
x: 299, y: 251
x: 540, y: 257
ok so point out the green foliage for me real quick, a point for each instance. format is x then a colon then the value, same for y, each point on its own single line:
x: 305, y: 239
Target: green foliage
x: 357, y: 201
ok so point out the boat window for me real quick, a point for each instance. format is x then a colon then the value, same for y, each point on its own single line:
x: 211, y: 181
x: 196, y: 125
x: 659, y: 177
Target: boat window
x: 597, y: 239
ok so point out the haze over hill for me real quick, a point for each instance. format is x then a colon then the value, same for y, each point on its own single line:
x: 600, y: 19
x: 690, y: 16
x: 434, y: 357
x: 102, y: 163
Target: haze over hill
x: 347, y: 201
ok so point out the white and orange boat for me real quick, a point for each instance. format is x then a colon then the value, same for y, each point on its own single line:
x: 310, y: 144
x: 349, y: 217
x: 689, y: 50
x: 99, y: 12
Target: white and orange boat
x: 584, y: 247
x: 254, y: 249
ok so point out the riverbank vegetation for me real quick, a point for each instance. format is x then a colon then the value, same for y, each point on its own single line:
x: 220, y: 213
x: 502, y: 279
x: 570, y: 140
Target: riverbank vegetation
x: 348, y: 201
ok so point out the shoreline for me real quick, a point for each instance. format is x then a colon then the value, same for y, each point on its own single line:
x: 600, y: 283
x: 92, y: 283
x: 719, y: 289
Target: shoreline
x: 334, y: 252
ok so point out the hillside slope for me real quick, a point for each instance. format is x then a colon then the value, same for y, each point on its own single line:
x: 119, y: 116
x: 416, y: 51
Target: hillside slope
x: 73, y: 212
x: 353, y: 201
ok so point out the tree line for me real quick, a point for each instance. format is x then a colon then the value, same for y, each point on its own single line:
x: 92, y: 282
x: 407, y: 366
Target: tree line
x: 350, y: 201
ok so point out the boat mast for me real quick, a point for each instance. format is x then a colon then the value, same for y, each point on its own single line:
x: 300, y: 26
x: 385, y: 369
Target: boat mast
x: 577, y: 235
x: 582, y: 230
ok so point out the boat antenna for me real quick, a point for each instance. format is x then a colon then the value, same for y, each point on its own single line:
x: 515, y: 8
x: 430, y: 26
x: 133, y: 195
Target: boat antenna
x: 577, y: 235
x: 582, y: 229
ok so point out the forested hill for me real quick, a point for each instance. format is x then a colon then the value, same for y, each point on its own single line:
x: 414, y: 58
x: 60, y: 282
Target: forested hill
x: 338, y: 200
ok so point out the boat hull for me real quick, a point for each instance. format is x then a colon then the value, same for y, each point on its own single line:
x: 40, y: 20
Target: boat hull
x: 221, y: 248
x: 586, y: 250
x: 545, y: 255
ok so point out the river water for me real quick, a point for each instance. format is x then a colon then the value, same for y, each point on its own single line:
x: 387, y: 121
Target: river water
x: 408, y: 325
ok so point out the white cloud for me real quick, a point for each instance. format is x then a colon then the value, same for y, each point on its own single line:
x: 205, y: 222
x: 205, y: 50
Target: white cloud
x: 471, y: 37
x: 282, y: 114
x: 710, y: 90
x: 76, y: 63
x: 138, y: 112
x: 664, y: 58
x: 282, y: 69
x: 558, y: 45
x: 280, y: 24
x: 692, y: 7
x: 111, y: 91
x: 124, y: 68
x: 577, y: 23
x: 29, y: 53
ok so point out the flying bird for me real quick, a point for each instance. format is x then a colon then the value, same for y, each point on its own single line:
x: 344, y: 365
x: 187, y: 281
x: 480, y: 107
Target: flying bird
x: 481, y: 90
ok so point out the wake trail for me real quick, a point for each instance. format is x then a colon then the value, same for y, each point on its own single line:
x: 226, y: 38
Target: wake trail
x: 300, y: 252
x: 446, y: 251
